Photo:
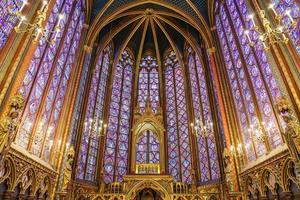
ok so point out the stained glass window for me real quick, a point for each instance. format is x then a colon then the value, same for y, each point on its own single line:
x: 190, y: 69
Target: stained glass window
x: 147, y: 148
x: 7, y: 20
x: 46, y: 81
x: 148, y: 83
x: 207, y: 152
x: 179, y: 152
x: 281, y: 7
x: 252, y: 82
x: 116, y: 150
x: 79, y: 101
x: 93, y: 123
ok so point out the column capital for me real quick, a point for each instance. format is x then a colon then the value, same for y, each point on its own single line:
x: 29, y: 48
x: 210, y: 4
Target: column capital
x: 87, y: 49
x: 211, y: 50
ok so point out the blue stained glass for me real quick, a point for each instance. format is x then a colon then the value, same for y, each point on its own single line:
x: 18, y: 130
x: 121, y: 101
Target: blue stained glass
x: 48, y: 79
x: 177, y: 124
x: 206, y: 145
x: 147, y: 148
x: 8, y: 21
x: 255, y: 75
x: 115, y: 156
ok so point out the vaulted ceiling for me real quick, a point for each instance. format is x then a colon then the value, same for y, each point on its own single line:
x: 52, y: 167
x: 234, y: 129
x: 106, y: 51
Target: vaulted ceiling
x: 186, y: 5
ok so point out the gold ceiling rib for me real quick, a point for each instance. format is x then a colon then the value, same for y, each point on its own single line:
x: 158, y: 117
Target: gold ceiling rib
x: 125, y: 43
x: 142, y: 42
x: 185, y: 34
x: 98, y: 24
x: 156, y: 46
x: 117, y: 30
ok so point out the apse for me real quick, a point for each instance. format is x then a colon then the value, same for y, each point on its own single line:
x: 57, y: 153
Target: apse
x: 149, y: 99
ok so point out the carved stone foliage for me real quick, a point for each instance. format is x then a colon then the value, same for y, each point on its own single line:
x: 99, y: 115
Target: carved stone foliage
x: 24, y: 174
x: 275, y: 173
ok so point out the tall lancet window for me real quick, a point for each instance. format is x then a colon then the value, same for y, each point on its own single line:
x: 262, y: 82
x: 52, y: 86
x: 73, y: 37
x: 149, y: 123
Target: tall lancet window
x: 206, y: 144
x: 8, y: 20
x: 93, y: 124
x: 179, y: 152
x: 283, y: 6
x: 252, y: 82
x: 116, y: 147
x: 148, y: 83
x: 46, y: 81
x: 147, y: 148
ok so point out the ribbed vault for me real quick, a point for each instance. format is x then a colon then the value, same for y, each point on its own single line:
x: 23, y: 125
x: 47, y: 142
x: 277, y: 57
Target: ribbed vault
x: 162, y: 14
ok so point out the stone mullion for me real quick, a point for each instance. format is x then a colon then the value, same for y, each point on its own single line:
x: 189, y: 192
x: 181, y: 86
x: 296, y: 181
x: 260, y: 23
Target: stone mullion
x: 259, y: 66
x: 48, y: 84
x: 177, y: 127
x: 193, y: 138
x: 106, y: 108
x: 71, y: 97
x: 88, y: 52
x: 94, y: 106
x: 201, y: 113
x: 40, y: 61
x: 119, y: 119
x: 285, y: 70
x: 213, y: 110
x: 240, y: 90
x: 13, y: 55
x: 164, y: 113
x: 229, y: 107
x: 250, y: 84
x: 289, y: 47
x: 135, y: 75
x: 56, y: 94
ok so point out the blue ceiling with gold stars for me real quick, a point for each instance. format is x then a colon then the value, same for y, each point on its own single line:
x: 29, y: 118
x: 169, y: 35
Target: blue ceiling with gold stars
x: 200, y: 4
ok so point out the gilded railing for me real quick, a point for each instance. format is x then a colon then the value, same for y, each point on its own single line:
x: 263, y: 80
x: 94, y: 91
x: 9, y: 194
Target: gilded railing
x: 149, y: 168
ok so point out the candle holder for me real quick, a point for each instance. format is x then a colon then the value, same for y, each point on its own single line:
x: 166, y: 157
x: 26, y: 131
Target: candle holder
x: 271, y: 35
x: 201, y: 129
x: 37, y: 29
x: 96, y: 126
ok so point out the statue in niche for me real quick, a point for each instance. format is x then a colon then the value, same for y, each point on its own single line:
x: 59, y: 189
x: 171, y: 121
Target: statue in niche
x: 228, y: 169
x: 68, y: 169
x: 292, y: 129
x: 9, y: 124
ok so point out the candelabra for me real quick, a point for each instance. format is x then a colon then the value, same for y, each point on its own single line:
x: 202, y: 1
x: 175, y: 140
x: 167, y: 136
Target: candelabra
x: 271, y: 35
x: 37, y: 29
x: 261, y: 131
x: 96, y: 127
x: 201, y: 129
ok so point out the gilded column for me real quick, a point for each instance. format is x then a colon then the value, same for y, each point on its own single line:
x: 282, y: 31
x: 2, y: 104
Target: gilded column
x: 229, y: 162
x: 15, y: 59
x: 65, y: 159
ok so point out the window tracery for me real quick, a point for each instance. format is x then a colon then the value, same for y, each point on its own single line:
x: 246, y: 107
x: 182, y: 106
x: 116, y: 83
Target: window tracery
x: 281, y: 7
x: 252, y: 82
x: 148, y: 83
x: 177, y: 122
x: 206, y: 145
x: 7, y: 20
x: 89, y: 147
x: 147, y: 148
x: 46, y: 81
x: 116, y: 147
